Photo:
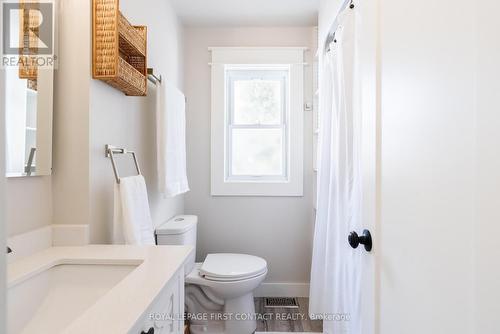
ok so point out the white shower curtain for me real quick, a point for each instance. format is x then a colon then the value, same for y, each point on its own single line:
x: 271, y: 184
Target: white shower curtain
x: 335, y: 293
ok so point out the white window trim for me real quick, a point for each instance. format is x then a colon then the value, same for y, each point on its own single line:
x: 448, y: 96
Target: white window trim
x: 289, y: 57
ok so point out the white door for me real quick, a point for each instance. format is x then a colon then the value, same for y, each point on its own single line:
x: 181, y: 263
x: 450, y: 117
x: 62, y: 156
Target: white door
x: 431, y: 157
x: 368, y: 67
x: 425, y: 189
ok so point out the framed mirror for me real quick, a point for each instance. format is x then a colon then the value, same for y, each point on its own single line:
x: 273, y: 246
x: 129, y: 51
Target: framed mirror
x: 28, y: 97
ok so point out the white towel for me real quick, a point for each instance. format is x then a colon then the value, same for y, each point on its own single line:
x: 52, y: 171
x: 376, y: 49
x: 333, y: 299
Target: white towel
x: 171, y: 140
x: 132, y: 224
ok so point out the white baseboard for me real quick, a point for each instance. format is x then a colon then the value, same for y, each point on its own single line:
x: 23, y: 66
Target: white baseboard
x: 282, y: 290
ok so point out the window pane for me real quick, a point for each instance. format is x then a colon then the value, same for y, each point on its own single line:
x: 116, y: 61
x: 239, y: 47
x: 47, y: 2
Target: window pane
x: 257, y: 102
x: 257, y: 152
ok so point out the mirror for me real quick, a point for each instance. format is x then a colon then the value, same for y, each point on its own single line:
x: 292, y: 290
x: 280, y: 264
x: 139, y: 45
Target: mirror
x: 28, y: 102
x: 28, y: 111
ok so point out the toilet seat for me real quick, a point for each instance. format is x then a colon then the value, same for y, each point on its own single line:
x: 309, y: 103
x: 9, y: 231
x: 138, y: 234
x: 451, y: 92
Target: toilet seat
x: 232, y: 267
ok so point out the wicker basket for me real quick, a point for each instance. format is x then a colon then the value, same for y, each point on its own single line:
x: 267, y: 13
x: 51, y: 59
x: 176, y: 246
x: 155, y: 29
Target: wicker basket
x: 119, y: 49
x: 128, y: 80
x: 132, y: 40
x: 28, y: 68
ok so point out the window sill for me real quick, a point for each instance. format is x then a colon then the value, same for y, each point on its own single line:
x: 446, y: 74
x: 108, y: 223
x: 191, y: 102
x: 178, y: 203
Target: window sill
x: 258, y: 189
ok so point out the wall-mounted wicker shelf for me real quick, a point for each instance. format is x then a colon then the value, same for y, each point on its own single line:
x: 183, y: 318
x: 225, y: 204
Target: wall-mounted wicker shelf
x: 119, y: 50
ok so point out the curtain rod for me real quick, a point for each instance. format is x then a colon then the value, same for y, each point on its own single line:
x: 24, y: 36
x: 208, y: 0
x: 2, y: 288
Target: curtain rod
x: 330, y: 37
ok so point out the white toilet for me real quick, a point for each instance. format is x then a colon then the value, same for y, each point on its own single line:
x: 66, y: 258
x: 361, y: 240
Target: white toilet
x: 219, y: 291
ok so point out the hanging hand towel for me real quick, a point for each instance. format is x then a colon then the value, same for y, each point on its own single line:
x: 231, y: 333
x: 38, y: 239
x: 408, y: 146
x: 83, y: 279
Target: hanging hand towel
x: 132, y: 224
x: 171, y: 140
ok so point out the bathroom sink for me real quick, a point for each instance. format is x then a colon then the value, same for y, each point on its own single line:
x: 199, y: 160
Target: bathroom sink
x: 52, y: 299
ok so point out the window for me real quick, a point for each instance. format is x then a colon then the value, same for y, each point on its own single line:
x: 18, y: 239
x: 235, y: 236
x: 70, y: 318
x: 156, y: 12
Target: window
x: 257, y: 121
x: 256, y: 124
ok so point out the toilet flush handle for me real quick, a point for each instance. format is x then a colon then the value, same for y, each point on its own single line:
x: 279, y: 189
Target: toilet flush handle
x: 150, y: 331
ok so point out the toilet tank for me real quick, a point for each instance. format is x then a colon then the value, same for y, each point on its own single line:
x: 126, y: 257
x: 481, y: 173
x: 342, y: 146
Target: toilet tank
x: 180, y: 230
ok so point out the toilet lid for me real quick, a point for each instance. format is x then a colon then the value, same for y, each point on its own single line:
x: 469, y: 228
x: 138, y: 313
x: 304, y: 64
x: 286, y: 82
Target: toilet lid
x: 177, y: 225
x: 232, y: 266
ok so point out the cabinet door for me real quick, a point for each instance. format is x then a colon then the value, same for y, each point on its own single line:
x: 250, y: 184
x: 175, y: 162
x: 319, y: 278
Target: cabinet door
x: 172, y: 306
x: 166, y: 315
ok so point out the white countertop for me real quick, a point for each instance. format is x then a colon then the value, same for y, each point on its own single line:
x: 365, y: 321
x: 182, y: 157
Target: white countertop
x: 120, y: 308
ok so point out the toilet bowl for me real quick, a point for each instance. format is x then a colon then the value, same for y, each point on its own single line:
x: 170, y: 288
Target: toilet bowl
x: 219, y: 290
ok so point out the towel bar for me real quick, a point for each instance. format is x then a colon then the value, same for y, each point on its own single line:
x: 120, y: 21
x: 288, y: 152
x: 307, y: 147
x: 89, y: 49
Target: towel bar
x: 111, y: 150
x: 152, y: 77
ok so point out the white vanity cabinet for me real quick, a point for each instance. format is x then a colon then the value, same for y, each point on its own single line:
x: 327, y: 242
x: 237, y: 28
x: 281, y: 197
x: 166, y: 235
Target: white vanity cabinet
x: 166, y: 314
x: 98, y: 289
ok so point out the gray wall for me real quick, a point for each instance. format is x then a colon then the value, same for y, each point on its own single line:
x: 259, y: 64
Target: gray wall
x: 89, y: 114
x: 130, y: 121
x: 28, y: 203
x: 71, y: 176
x: 278, y: 229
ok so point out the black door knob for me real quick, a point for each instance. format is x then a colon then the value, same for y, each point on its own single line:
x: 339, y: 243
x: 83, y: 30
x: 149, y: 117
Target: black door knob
x: 365, y: 239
